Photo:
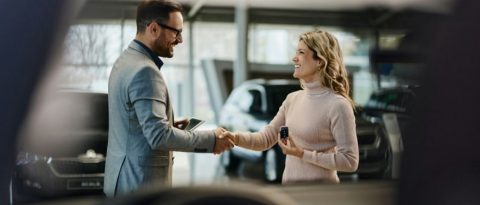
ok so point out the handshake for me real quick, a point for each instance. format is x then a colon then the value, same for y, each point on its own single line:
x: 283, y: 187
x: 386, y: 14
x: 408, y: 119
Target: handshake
x: 224, y: 140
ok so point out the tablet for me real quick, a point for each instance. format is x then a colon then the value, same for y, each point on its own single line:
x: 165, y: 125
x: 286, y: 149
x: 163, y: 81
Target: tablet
x: 193, y: 124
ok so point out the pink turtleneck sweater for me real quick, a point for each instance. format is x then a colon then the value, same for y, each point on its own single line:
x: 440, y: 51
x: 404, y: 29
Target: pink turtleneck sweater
x: 320, y: 122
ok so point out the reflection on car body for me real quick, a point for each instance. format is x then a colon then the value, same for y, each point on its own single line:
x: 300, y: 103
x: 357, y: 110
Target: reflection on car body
x: 63, y: 150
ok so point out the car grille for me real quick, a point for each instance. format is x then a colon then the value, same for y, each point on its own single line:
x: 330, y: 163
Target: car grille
x: 69, y: 167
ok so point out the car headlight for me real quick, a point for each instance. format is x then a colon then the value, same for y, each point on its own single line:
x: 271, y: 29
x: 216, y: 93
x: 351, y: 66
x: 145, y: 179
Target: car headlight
x: 27, y: 158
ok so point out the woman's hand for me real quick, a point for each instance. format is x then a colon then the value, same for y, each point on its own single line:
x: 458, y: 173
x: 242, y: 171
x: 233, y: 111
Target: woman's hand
x: 289, y: 148
x: 232, y: 136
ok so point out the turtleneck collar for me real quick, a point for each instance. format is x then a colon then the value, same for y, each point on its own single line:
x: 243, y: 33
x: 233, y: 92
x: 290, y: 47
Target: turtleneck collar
x: 315, y: 88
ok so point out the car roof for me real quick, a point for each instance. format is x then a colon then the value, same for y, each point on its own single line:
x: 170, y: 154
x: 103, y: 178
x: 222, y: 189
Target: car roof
x: 267, y: 82
x: 402, y: 89
x: 80, y: 91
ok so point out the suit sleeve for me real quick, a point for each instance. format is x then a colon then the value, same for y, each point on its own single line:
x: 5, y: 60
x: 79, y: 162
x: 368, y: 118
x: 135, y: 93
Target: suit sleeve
x: 342, y: 126
x: 148, y: 94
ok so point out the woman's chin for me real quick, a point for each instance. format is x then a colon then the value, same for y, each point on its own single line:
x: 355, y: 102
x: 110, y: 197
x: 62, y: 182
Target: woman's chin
x: 295, y: 74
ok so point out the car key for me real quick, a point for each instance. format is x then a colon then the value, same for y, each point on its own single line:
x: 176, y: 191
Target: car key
x: 284, y: 134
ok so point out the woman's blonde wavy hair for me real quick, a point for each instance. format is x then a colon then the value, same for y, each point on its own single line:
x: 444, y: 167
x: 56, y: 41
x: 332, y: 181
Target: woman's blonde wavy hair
x: 332, y: 73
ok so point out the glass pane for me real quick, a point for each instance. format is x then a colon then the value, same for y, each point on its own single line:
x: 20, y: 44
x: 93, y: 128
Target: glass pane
x: 90, y: 50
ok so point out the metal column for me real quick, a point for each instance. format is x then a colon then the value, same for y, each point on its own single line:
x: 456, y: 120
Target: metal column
x: 240, y: 67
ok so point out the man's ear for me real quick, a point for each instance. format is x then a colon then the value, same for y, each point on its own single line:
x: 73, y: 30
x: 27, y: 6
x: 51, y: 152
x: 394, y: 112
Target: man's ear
x: 152, y: 29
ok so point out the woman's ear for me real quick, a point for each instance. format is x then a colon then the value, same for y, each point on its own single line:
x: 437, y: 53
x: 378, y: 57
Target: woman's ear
x: 320, y: 63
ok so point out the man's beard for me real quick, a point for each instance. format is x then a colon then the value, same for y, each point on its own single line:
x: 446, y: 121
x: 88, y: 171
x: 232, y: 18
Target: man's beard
x: 162, y: 50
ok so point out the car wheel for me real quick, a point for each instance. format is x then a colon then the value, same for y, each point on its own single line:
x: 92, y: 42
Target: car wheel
x: 274, y: 163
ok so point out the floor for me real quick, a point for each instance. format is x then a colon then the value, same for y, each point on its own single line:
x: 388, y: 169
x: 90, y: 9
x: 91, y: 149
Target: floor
x: 196, y: 169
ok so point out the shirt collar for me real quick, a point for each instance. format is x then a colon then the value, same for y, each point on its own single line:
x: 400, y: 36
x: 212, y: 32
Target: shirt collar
x: 152, y: 55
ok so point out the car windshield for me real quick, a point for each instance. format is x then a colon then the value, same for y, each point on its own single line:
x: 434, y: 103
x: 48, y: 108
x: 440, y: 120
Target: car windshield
x: 276, y: 95
x: 89, y: 110
x: 77, y: 121
x: 394, y: 100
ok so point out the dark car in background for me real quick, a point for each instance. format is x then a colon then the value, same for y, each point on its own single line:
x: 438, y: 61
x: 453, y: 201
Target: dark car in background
x: 62, y: 151
x: 250, y: 107
x: 396, y: 100
x: 373, y: 147
x: 253, y: 105
x: 399, y: 100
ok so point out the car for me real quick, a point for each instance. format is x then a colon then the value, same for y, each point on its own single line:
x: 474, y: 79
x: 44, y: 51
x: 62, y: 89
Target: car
x: 250, y: 107
x: 398, y: 100
x: 373, y: 147
x: 253, y: 104
x: 62, y: 152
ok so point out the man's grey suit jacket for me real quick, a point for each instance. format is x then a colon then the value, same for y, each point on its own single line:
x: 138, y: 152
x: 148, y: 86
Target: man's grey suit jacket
x: 141, y: 134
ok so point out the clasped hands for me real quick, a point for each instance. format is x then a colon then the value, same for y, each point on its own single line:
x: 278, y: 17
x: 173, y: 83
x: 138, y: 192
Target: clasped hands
x: 224, y: 140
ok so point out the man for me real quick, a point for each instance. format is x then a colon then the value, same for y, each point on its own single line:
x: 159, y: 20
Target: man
x: 142, y: 132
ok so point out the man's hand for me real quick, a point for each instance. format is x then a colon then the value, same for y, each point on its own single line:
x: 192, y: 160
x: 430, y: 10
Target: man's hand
x: 233, y: 137
x: 181, y: 124
x: 289, y: 147
x: 222, y: 143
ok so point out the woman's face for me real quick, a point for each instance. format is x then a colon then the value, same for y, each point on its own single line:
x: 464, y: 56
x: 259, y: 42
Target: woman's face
x: 306, y: 67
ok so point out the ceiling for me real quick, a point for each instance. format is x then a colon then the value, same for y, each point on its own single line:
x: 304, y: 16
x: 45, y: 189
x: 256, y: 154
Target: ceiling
x: 432, y: 5
x: 439, y: 5
x: 357, y: 14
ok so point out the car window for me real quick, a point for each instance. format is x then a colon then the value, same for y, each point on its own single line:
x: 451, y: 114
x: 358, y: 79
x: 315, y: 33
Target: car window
x: 256, y: 105
x: 393, y: 101
x: 91, y: 112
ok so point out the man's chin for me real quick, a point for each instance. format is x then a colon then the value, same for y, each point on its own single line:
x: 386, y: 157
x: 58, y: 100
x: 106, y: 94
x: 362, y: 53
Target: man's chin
x: 166, y: 55
x: 169, y: 53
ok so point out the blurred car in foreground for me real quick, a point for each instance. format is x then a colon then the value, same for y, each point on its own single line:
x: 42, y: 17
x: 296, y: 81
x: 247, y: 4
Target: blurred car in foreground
x: 62, y: 153
x: 253, y: 105
x: 372, y: 193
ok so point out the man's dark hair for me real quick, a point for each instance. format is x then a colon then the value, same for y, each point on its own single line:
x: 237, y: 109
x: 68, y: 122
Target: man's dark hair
x: 159, y: 11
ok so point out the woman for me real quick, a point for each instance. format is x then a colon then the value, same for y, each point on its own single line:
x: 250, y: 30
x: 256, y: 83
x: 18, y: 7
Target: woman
x: 320, y: 117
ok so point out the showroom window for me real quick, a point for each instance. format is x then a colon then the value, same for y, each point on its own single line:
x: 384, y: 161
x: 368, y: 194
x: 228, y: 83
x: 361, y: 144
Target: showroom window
x: 91, y: 49
x: 89, y: 53
x: 276, y: 44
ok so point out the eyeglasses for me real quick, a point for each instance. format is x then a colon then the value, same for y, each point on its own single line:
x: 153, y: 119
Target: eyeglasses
x: 178, y: 32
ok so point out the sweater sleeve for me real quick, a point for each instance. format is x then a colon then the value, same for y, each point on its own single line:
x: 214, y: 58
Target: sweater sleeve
x: 342, y: 126
x: 267, y: 137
